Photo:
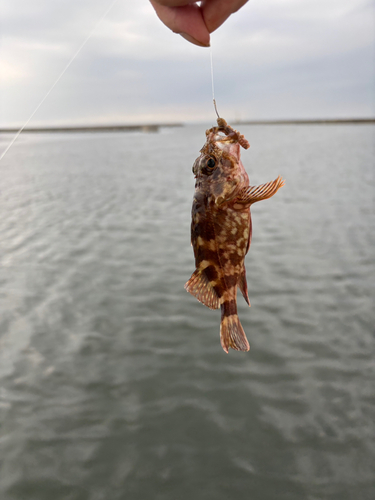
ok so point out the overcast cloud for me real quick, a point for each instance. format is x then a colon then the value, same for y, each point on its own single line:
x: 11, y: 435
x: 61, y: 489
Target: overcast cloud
x: 272, y: 59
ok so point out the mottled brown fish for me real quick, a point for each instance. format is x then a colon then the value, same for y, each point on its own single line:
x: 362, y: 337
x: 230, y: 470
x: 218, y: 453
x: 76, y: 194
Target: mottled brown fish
x: 221, y: 228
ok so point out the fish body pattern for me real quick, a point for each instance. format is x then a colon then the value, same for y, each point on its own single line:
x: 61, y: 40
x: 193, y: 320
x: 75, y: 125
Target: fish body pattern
x: 221, y: 228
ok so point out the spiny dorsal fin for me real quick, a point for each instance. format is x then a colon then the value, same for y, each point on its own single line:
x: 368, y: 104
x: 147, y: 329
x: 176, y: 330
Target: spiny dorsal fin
x: 252, y: 194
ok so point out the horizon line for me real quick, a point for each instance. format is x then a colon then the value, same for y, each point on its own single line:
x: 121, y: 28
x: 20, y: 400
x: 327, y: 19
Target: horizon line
x: 154, y: 127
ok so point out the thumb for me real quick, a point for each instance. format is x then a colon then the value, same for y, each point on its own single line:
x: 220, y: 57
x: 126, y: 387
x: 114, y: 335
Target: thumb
x: 186, y: 20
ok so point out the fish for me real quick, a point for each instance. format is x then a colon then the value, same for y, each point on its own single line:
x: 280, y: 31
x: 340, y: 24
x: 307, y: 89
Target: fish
x: 221, y: 228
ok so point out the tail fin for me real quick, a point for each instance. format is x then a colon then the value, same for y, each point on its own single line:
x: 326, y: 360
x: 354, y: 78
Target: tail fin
x: 232, y: 334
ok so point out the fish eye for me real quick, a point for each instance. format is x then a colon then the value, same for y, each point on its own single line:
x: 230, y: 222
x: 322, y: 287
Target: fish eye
x: 211, y: 163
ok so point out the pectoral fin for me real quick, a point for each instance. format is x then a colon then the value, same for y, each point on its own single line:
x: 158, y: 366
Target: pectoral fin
x: 252, y: 194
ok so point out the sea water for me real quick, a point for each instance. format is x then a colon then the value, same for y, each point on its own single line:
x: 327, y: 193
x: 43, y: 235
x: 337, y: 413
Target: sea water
x: 113, y: 383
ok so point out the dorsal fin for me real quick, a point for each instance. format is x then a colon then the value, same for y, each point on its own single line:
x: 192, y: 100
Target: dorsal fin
x: 252, y: 194
x: 242, y: 285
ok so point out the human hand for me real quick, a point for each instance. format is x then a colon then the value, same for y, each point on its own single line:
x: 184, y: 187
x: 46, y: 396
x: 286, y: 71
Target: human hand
x: 195, y: 22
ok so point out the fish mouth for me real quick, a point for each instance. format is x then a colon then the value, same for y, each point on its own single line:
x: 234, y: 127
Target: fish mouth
x: 224, y: 133
x: 222, y: 142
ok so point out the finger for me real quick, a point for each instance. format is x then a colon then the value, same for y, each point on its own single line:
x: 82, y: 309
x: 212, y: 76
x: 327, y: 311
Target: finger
x: 215, y: 12
x: 174, y: 3
x: 186, y: 20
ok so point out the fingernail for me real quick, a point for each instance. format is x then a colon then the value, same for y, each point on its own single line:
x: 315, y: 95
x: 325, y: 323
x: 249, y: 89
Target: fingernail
x: 193, y: 40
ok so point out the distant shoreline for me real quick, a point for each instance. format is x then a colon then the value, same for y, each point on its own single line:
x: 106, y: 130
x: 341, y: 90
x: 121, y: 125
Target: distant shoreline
x: 155, y: 127
x: 323, y: 121
x: 95, y: 128
x: 328, y: 121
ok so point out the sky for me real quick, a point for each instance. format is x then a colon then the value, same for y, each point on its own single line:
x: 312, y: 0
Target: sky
x: 273, y: 59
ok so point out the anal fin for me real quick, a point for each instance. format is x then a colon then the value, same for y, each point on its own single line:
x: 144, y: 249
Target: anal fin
x: 200, y: 287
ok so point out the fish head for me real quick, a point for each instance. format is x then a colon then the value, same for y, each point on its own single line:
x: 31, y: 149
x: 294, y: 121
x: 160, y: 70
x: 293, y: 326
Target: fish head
x: 218, y: 169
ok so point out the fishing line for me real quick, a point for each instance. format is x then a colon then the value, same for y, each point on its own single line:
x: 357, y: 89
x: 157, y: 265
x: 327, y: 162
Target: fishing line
x: 212, y: 82
x: 58, y: 78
